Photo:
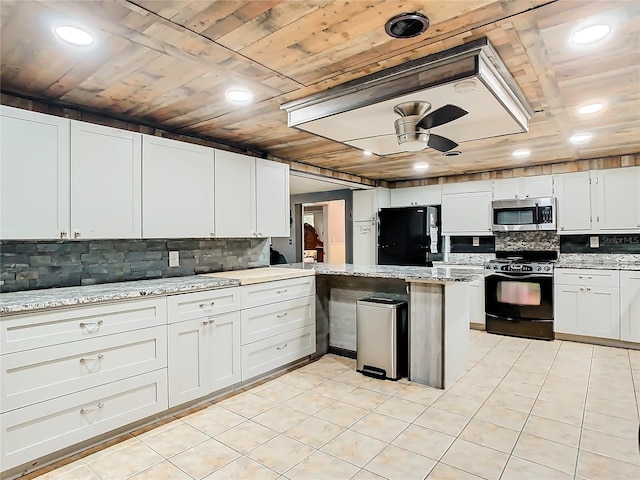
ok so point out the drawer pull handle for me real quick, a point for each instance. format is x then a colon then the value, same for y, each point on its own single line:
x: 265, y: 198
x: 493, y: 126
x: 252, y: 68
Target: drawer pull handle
x: 87, y: 410
x: 90, y: 325
x: 207, y: 305
x: 89, y: 359
x: 205, y: 322
x: 283, y: 346
x: 282, y: 291
x: 582, y: 289
x: 588, y: 289
x: 282, y: 315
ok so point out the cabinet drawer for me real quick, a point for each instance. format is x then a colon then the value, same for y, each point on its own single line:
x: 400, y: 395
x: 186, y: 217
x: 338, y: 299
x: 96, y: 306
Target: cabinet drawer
x: 188, y: 306
x: 587, y: 277
x: 32, y: 432
x: 264, y: 355
x: 271, y: 292
x: 40, y: 329
x: 42, y: 374
x: 259, y: 323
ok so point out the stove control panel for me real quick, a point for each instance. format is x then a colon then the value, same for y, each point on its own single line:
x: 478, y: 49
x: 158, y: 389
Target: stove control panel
x: 519, y: 267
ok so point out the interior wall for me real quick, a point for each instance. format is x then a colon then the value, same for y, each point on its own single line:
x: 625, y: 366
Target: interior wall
x: 336, y: 232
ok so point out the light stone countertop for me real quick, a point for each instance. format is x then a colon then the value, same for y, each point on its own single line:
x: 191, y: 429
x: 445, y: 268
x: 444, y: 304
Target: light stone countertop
x: 409, y: 274
x: 599, y: 261
x: 16, y: 302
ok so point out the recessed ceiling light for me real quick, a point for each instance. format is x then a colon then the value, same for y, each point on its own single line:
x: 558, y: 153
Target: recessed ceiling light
x: 521, y: 153
x: 591, y: 108
x: 366, y: 153
x: 580, y: 138
x: 74, y: 35
x: 406, y: 25
x: 421, y: 167
x: 590, y: 34
x: 238, y: 95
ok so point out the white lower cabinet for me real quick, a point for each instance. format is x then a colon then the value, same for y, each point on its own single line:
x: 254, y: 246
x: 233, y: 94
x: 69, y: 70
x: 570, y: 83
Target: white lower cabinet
x: 630, y: 306
x: 587, y: 302
x: 476, y: 302
x: 35, y: 431
x: 204, y: 356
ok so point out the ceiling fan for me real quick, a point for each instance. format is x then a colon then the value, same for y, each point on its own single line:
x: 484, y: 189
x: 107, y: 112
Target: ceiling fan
x: 413, y: 128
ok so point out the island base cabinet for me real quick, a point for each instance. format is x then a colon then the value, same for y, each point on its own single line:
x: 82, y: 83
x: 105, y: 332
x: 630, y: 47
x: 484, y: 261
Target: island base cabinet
x: 630, y: 306
x: 273, y: 352
x: 204, y: 356
x: 41, y: 429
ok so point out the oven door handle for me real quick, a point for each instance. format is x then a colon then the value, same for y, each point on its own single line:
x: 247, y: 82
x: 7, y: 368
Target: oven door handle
x: 532, y: 275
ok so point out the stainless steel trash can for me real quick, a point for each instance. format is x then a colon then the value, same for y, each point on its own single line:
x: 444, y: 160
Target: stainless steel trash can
x: 381, y: 337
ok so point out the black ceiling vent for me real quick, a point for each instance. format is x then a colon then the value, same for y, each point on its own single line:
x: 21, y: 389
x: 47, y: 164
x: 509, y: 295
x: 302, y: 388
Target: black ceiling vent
x: 406, y: 25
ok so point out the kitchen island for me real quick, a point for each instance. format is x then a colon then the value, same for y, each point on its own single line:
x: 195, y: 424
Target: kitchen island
x: 438, y: 301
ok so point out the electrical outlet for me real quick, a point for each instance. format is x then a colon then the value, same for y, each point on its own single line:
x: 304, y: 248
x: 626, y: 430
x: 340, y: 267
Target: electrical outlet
x: 476, y: 241
x: 594, y: 242
x: 174, y: 259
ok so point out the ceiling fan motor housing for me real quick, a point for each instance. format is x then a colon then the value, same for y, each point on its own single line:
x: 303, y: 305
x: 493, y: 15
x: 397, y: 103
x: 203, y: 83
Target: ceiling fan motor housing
x: 407, y: 131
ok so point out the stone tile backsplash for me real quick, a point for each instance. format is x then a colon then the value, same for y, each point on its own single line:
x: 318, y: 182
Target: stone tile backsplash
x: 27, y: 265
x: 517, y: 241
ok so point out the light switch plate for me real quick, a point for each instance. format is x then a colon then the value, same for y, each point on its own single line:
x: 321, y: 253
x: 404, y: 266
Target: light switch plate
x: 594, y: 242
x: 476, y: 241
x: 174, y: 259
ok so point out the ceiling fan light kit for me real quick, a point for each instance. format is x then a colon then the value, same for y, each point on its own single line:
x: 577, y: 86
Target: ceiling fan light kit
x: 469, y: 81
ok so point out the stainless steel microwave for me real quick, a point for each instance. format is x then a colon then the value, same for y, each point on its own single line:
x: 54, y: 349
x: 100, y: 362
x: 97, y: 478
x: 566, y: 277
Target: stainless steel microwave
x: 526, y: 214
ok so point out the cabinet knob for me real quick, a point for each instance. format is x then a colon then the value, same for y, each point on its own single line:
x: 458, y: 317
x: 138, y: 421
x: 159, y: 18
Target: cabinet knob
x: 212, y: 234
x: 65, y: 234
x: 76, y: 234
x: 205, y: 322
x: 561, y: 228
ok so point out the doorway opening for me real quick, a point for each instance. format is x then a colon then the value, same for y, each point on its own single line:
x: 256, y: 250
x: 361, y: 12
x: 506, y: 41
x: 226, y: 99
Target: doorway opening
x: 323, y: 233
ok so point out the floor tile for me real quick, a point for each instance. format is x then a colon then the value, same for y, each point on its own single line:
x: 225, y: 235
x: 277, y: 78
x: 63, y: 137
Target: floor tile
x: 150, y: 430
x: 401, y: 409
x: 545, y: 452
x: 246, y: 436
x: 592, y: 466
x: 247, y: 404
x: 520, y: 469
x: 623, y: 449
x: 328, y: 368
x: 560, y: 432
x: 164, y: 470
x: 388, y: 387
x: 302, y: 380
x: 616, y: 408
x: 314, y: 431
x: 125, y: 462
x: 354, y: 448
x: 424, y: 441
x: 333, y: 389
x: 620, y: 427
x: 460, y: 405
x: 204, y: 458
x: 443, y: 471
x: 420, y: 394
x: 280, y: 418
x: 281, y: 453
x: 472, y: 392
x: 559, y: 412
x: 476, y: 459
x: 379, y: 426
x: 173, y: 441
x: 277, y: 391
x: 442, y: 421
x: 363, y: 398
x: 489, y: 435
x: 367, y: 475
x: 321, y: 466
x: 213, y: 420
x: 79, y: 471
x: 396, y: 463
x: 351, y: 377
x: 243, y: 468
x: 502, y: 417
x: 309, y: 402
x: 342, y: 414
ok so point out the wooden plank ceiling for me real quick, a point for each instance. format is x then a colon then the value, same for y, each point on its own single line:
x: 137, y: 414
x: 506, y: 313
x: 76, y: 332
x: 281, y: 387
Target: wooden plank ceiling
x: 168, y: 63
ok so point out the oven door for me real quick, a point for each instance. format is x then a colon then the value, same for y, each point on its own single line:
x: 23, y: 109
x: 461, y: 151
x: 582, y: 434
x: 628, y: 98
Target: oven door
x: 519, y: 296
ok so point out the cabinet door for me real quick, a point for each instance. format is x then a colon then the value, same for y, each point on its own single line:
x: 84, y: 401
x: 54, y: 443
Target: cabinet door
x: 34, y: 175
x: 466, y: 213
x: 272, y: 199
x: 365, y: 243
x: 177, y: 189
x: 476, y: 302
x: 224, y: 348
x: 600, y: 309
x: 411, y: 196
x: 507, y: 188
x: 617, y: 199
x: 574, y: 202
x: 105, y: 182
x: 539, y: 186
x: 188, y: 359
x: 630, y: 306
x: 364, y: 205
x: 566, y: 315
x: 235, y: 195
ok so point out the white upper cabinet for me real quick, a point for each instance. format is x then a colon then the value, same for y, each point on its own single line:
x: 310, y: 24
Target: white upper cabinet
x: 573, y: 192
x: 366, y: 203
x: 272, y: 199
x: 523, y: 187
x: 105, y: 182
x: 466, y: 213
x: 412, y: 196
x: 34, y: 175
x: 616, y: 199
x: 235, y: 192
x: 177, y: 189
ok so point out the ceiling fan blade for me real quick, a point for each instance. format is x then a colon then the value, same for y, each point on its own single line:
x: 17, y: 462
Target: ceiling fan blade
x: 442, y: 115
x: 441, y: 144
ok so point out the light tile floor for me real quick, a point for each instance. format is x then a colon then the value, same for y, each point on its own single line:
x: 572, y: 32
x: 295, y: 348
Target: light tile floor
x: 524, y: 409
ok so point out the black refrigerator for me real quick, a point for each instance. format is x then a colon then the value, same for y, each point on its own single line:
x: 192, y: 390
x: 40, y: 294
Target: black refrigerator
x: 409, y: 236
